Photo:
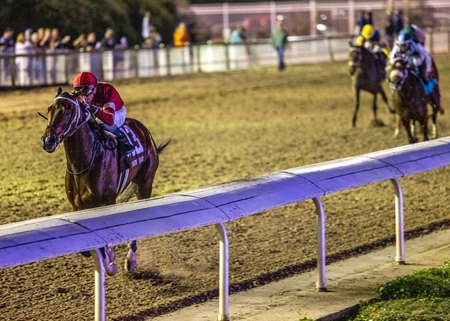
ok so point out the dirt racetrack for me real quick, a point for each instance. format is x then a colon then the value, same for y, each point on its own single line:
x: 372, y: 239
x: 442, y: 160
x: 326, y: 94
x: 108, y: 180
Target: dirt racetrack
x: 224, y: 126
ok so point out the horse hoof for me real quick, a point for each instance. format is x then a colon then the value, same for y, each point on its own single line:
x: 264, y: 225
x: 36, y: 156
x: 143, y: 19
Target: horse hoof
x: 130, y: 262
x: 377, y: 123
x: 86, y: 253
x: 108, y: 261
x: 111, y: 269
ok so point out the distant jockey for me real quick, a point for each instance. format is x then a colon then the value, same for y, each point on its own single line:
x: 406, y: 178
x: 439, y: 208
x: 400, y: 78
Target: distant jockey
x: 371, y: 40
x: 409, y: 46
x: 416, y: 56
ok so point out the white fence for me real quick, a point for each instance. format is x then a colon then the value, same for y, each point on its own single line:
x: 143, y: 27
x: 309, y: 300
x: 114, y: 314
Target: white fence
x: 89, y: 230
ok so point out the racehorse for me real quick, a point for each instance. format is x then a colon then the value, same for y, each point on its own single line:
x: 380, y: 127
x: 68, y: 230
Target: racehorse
x: 409, y: 99
x: 368, y: 74
x: 93, y: 177
x: 433, y: 99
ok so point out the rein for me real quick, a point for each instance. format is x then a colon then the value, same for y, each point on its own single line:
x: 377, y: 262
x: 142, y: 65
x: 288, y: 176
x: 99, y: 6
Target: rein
x: 94, y: 151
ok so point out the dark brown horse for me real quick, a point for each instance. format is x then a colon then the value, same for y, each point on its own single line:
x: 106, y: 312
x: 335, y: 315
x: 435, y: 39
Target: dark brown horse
x: 368, y: 74
x: 94, y: 175
x: 409, y: 99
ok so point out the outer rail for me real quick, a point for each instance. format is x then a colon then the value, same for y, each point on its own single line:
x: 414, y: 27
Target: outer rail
x: 90, y: 230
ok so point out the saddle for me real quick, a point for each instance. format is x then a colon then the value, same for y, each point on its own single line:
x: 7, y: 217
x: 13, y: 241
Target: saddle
x: 110, y: 141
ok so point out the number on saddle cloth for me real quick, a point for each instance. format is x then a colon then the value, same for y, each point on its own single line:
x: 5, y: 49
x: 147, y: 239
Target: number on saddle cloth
x: 127, y: 158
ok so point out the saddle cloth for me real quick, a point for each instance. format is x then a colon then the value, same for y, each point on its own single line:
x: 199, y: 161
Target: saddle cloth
x: 130, y: 160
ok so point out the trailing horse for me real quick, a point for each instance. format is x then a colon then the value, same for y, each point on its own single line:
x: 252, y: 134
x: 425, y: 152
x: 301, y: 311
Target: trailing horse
x: 368, y: 74
x: 96, y: 172
x: 409, y: 99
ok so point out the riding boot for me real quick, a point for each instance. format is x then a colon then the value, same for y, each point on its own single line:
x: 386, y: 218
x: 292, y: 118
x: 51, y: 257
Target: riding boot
x: 123, y: 141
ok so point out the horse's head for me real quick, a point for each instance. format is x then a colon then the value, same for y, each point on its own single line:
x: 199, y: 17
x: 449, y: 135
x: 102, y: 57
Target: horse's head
x: 354, y: 59
x: 398, y: 74
x: 64, y: 117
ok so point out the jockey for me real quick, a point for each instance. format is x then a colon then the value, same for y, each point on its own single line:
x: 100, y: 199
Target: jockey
x: 415, y: 54
x: 371, y: 40
x: 363, y: 39
x: 105, y: 103
x: 409, y: 46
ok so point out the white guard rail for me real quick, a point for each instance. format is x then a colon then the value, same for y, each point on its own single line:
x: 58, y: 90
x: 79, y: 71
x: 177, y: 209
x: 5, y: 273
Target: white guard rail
x: 89, y: 230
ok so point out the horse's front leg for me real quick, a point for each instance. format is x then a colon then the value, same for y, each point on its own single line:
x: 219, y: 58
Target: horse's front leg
x: 386, y: 101
x: 424, y: 126
x: 130, y: 261
x: 355, y: 113
x: 108, y: 260
x: 398, y: 125
x: 409, y: 127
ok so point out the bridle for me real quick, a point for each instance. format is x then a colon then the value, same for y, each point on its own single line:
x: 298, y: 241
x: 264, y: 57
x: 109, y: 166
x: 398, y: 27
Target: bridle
x: 79, y: 118
x: 405, y: 73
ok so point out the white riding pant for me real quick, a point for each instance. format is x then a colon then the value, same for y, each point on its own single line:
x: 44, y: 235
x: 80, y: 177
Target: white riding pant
x: 119, y: 116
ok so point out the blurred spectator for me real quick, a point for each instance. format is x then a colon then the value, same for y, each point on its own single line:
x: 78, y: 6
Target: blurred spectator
x: 109, y: 40
x: 360, y: 23
x: 389, y: 30
x: 146, y: 23
x: 6, y: 47
x: 154, y: 38
x: 80, y: 43
x: 279, y: 42
x: 92, y: 42
x: 398, y: 22
x: 35, y: 39
x: 181, y: 36
x: 58, y: 42
x: 369, y: 18
x: 238, y: 35
x: 123, y: 44
x: 23, y: 63
x: 44, y: 41
x: 7, y: 41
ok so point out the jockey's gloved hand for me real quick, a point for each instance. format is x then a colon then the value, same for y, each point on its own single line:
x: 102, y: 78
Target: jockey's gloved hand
x: 90, y: 108
x: 94, y: 109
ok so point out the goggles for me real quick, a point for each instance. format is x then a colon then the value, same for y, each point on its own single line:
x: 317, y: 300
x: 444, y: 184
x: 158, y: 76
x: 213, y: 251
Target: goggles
x: 85, y: 90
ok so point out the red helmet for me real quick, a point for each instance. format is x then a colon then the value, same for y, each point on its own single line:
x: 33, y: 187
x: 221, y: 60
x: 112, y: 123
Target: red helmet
x: 84, y: 83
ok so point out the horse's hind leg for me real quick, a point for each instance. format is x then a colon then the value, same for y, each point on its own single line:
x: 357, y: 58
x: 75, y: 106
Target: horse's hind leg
x: 375, y: 121
x: 409, y: 127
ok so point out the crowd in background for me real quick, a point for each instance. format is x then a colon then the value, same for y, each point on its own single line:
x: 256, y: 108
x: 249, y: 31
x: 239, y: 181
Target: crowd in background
x: 44, y: 41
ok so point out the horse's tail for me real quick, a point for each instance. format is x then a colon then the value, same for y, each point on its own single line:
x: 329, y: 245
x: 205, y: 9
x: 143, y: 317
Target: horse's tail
x: 161, y: 147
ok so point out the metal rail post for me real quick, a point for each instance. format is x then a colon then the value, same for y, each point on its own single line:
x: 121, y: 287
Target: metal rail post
x: 100, y: 314
x: 399, y: 223
x: 223, y: 274
x: 321, y: 284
